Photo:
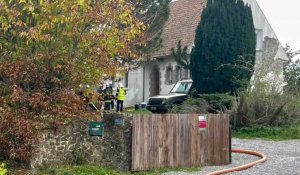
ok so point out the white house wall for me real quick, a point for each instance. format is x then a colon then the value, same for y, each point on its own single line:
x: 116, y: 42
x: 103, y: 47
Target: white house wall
x: 269, y: 51
x: 261, y: 24
x: 259, y: 19
x: 166, y: 87
x: 135, y: 87
x: 148, y: 68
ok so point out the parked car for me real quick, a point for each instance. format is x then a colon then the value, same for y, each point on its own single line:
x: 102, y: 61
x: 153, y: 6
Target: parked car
x: 179, y: 93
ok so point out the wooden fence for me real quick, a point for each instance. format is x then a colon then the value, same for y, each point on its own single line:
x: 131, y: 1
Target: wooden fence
x: 174, y: 140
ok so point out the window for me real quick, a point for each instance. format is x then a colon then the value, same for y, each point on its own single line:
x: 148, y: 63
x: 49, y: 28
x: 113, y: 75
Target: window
x: 177, y: 74
x: 182, y: 87
x: 169, y: 72
x: 259, y: 39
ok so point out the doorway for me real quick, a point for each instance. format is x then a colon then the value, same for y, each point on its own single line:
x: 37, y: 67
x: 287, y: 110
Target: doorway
x: 154, y: 81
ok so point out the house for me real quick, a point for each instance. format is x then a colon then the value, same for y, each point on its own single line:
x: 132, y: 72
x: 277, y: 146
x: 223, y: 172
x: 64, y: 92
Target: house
x: 159, y: 75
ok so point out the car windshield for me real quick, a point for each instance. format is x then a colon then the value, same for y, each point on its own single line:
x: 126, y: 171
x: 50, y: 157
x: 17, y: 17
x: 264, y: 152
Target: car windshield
x: 182, y: 87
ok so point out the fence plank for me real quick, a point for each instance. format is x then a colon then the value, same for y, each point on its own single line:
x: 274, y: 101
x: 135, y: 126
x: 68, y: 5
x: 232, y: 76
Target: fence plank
x: 177, y: 140
x: 210, y: 140
x: 133, y: 144
x: 217, y: 140
x: 225, y: 141
x: 194, y: 139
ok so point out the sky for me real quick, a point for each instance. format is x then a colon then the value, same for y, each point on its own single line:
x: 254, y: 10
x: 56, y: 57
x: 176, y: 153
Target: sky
x: 284, y: 17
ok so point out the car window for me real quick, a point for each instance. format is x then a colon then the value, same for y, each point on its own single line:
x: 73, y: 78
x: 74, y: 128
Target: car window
x: 182, y: 87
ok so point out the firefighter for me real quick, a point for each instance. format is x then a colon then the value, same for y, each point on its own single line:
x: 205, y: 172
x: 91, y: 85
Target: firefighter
x: 107, y: 99
x: 120, y: 94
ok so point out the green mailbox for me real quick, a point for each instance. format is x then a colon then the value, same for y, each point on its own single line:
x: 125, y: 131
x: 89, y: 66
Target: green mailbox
x: 96, y: 128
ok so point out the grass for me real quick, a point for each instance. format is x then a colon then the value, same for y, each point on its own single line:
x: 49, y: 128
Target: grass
x: 131, y: 110
x: 78, y: 170
x: 269, y: 133
x: 139, y: 111
x: 95, y: 170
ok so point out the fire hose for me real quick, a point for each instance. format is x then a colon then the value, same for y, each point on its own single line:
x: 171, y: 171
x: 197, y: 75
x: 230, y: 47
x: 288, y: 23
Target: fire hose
x: 242, y: 167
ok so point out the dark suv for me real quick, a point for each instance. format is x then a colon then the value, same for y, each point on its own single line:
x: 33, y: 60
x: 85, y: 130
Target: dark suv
x: 179, y: 93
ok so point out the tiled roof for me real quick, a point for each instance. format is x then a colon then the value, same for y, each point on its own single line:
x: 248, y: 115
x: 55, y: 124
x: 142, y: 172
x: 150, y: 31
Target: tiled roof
x: 184, y: 18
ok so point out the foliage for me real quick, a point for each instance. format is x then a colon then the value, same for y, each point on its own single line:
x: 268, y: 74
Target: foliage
x: 47, y: 50
x: 219, y: 102
x: 3, y: 170
x: 292, y: 70
x: 260, y: 107
x: 268, y: 133
x: 181, y: 56
x: 292, y: 76
x: 224, y: 53
x: 205, y: 103
x: 17, y: 137
x: 70, y: 34
x: 77, y: 157
x: 191, y: 105
x: 290, y: 52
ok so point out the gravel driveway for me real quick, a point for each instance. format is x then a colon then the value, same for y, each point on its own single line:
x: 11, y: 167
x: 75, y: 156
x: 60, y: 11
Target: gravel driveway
x: 283, y: 158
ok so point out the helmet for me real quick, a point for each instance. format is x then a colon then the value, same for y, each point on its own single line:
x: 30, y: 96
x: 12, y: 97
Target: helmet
x: 120, y: 85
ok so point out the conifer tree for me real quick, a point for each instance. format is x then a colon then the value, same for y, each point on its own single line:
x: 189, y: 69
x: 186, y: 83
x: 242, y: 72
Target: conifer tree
x: 224, y: 47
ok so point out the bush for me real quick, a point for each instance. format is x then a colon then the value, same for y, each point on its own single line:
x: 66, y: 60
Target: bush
x: 191, y: 105
x: 265, y: 108
x: 218, y: 102
x: 32, y: 98
x: 205, y: 103
x: 17, y: 136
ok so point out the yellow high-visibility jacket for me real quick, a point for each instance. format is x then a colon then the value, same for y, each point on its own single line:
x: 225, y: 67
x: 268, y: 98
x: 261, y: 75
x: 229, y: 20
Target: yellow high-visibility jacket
x: 121, y: 93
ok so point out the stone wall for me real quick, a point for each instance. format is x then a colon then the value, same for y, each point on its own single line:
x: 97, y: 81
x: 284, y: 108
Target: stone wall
x: 74, y: 145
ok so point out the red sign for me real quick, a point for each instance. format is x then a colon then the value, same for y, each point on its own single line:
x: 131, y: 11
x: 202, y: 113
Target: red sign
x: 202, y: 124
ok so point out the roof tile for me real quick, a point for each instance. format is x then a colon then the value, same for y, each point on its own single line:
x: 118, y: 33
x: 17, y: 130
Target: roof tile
x: 184, y: 18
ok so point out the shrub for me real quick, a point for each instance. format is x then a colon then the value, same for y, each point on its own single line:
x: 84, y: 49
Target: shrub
x: 17, y: 136
x: 218, y: 102
x: 191, y: 105
x: 29, y: 101
x: 265, y: 108
x: 205, y: 103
